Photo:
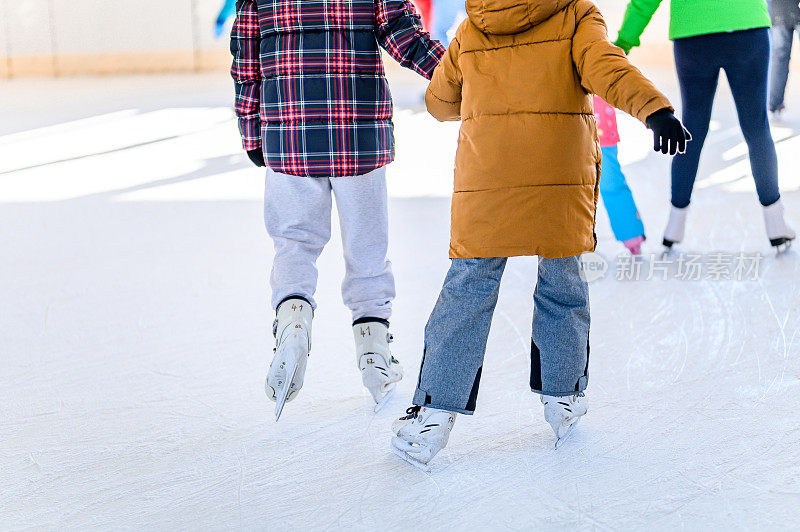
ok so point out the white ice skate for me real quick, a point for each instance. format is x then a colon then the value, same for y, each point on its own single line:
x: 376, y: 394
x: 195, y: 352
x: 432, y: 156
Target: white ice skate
x: 380, y: 371
x: 421, y: 433
x: 676, y: 226
x: 292, y: 329
x: 563, y: 413
x: 779, y: 233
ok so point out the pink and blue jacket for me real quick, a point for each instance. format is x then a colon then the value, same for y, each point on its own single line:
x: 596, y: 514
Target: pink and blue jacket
x: 606, y: 118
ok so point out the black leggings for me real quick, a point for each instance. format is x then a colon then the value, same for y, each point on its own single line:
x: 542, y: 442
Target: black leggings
x: 744, y: 55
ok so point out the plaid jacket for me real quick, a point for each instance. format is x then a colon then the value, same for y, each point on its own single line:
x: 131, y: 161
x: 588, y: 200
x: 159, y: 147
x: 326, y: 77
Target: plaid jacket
x: 310, y: 86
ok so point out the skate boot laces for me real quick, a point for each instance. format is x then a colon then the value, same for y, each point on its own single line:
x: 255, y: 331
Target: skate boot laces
x: 427, y: 418
x: 411, y: 413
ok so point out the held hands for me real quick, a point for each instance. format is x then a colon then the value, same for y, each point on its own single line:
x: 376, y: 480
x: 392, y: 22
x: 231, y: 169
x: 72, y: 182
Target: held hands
x: 257, y: 156
x: 669, y: 135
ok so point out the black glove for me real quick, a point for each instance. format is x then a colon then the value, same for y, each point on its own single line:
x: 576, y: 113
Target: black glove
x: 257, y: 156
x: 669, y: 135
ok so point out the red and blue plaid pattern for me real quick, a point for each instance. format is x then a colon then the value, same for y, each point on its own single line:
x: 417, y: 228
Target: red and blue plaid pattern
x: 310, y: 85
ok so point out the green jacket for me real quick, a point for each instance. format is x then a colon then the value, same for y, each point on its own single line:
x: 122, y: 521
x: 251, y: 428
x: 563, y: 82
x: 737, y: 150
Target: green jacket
x: 693, y: 17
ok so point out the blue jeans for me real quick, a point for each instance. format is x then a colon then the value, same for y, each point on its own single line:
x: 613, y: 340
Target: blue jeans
x: 618, y: 199
x: 779, y: 64
x: 456, y: 333
x: 744, y: 55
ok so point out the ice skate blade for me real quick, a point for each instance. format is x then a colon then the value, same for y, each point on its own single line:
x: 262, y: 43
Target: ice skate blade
x: 280, y: 397
x: 425, y: 468
x: 385, y: 400
x: 560, y: 441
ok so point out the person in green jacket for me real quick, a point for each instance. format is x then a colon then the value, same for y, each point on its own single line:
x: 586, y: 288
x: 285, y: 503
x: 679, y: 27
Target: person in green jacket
x: 709, y: 36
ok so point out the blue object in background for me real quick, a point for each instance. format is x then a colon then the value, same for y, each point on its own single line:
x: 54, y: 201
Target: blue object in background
x: 228, y: 10
x: 445, y: 13
x: 618, y: 199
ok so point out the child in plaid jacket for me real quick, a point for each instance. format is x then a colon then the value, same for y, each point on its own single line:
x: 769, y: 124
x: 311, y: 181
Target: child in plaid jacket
x: 314, y: 107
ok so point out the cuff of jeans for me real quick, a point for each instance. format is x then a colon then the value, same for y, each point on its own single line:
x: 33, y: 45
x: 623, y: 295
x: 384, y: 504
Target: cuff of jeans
x: 420, y: 399
x: 583, y: 382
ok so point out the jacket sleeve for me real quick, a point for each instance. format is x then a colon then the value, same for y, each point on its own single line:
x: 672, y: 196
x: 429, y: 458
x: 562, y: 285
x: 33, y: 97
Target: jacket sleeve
x: 246, y: 72
x: 443, y: 97
x: 605, y: 71
x: 637, y: 17
x: 399, y: 31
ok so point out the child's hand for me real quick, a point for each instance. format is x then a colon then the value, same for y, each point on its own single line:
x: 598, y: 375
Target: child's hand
x: 669, y: 135
x: 257, y: 156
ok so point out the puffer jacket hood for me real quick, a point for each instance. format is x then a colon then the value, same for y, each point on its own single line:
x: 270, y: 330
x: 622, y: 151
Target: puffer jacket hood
x: 508, y: 17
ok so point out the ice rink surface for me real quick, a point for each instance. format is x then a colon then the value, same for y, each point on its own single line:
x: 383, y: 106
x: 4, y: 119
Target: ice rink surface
x: 135, y: 337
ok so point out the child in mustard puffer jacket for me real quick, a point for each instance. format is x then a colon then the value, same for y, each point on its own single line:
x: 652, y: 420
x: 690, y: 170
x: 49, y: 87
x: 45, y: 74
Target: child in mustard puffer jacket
x: 520, y: 75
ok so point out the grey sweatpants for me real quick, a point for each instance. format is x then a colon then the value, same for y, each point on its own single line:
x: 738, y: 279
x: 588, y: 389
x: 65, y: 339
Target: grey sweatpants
x: 297, y: 213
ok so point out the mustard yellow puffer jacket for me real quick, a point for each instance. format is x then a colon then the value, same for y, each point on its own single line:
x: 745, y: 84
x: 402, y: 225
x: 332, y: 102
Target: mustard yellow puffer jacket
x: 520, y: 75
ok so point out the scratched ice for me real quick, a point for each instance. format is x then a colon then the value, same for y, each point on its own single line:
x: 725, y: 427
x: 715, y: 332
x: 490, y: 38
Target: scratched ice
x: 135, y: 337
